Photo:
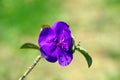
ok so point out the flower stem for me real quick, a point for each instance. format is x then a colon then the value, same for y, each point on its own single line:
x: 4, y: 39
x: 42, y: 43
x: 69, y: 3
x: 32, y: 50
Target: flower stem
x: 30, y: 68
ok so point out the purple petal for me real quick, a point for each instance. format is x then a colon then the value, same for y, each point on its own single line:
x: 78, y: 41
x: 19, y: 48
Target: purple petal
x: 47, y: 46
x: 64, y: 58
x: 50, y: 53
x: 46, y: 35
x: 59, y: 27
x: 47, y: 57
x: 66, y: 40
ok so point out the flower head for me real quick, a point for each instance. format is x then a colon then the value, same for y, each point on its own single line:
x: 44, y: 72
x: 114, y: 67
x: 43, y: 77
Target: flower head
x: 56, y: 43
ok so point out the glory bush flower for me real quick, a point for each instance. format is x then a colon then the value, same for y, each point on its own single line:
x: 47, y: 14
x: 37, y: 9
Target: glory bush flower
x: 56, y: 43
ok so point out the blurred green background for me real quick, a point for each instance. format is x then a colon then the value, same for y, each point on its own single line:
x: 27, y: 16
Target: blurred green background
x: 96, y: 23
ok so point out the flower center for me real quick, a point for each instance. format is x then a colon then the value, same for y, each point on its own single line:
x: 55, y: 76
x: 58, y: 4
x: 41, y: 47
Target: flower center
x: 60, y: 43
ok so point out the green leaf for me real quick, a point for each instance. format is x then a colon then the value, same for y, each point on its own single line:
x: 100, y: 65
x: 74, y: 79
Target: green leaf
x: 85, y: 54
x: 29, y: 46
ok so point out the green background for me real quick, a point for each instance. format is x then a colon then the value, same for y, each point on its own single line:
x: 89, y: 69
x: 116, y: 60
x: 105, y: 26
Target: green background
x: 95, y: 23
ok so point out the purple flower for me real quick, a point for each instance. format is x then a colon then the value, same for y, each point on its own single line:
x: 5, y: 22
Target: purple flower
x: 56, y: 43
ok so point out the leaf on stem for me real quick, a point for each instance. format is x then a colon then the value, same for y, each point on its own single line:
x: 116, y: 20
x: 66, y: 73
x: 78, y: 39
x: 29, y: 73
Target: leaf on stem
x: 29, y: 46
x: 85, y: 54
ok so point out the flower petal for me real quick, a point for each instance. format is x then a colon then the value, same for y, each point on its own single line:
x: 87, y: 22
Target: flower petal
x: 46, y: 35
x: 50, y: 52
x: 64, y: 58
x: 66, y: 40
x: 47, y: 57
x: 49, y: 48
x: 59, y: 27
x: 47, y: 45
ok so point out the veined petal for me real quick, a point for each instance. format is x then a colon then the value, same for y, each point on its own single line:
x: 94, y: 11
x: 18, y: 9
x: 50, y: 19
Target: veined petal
x: 64, y: 58
x: 49, y: 48
x: 47, y: 57
x: 59, y: 27
x: 66, y: 40
x: 46, y: 35
x: 47, y: 45
x: 50, y: 52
